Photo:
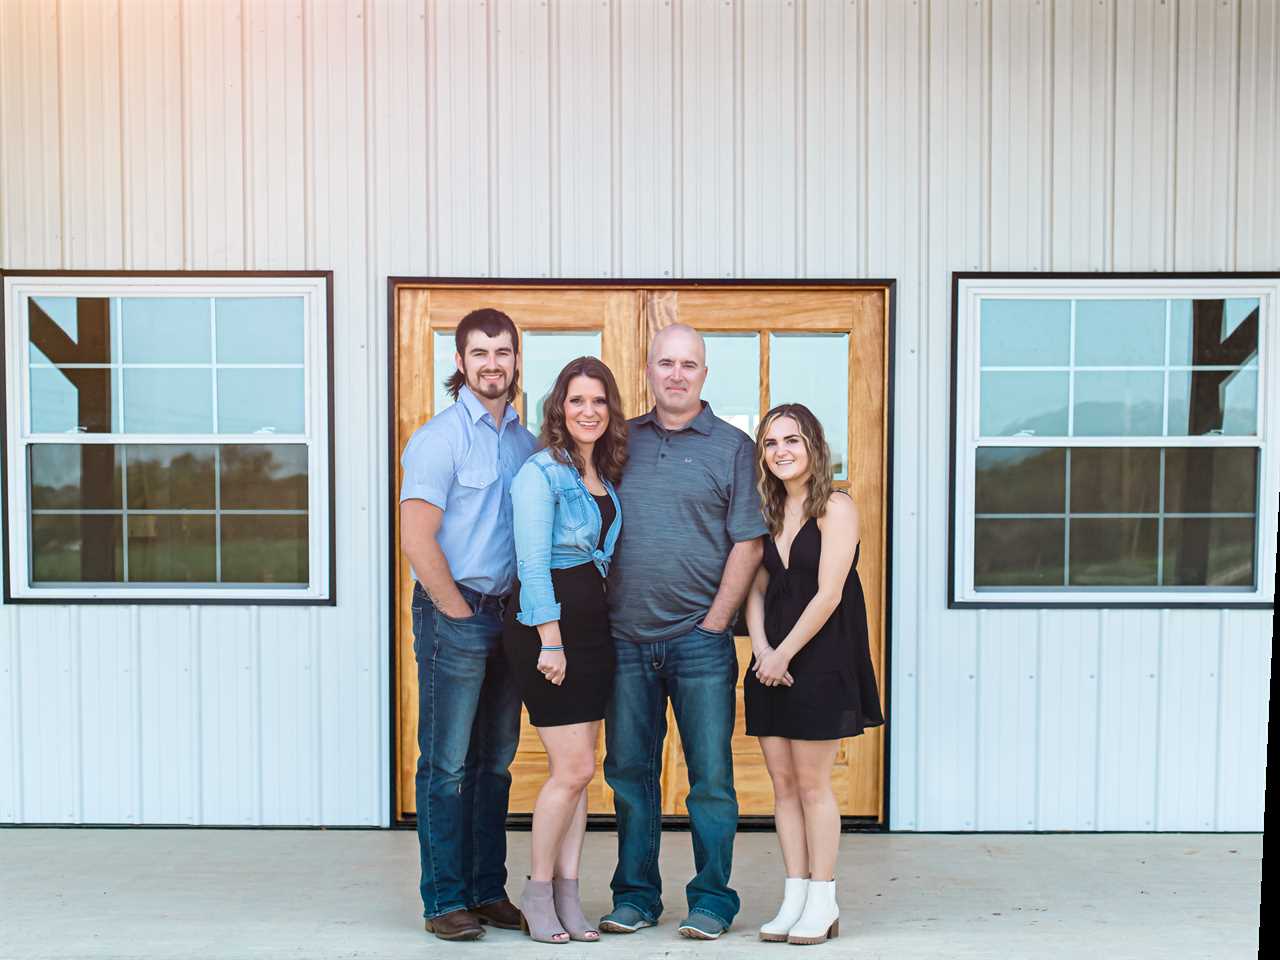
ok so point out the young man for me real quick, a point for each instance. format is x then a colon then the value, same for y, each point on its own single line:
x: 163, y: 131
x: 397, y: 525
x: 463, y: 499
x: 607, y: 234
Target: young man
x: 455, y: 529
x: 687, y: 554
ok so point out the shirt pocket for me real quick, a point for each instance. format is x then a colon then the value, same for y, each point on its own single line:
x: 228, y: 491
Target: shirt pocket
x: 573, y: 509
x: 477, y: 476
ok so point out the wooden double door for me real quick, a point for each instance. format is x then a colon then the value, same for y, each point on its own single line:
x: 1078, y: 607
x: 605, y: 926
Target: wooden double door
x: 822, y: 345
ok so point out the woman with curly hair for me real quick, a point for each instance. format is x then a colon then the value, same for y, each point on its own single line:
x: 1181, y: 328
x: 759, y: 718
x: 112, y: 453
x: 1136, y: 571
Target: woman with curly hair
x: 811, y: 681
x: 556, y: 638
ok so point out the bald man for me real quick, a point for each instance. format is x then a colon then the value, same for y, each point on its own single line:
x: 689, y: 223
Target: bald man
x: 688, y: 551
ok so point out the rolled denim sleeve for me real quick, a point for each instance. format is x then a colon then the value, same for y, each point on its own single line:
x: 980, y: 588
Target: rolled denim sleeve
x: 534, y: 512
x: 744, y: 520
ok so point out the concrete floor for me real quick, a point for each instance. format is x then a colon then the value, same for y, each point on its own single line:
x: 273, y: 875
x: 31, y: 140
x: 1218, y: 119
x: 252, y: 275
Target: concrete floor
x: 247, y: 894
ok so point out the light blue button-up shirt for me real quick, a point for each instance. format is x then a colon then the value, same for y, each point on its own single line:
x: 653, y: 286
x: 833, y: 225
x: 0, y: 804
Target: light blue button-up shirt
x: 557, y: 524
x: 463, y: 463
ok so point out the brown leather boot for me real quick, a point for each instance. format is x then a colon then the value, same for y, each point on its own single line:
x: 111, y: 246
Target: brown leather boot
x: 501, y: 913
x: 456, y: 925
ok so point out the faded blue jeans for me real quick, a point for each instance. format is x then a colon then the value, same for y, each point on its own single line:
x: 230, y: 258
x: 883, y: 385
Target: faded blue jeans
x: 468, y: 729
x: 698, y: 672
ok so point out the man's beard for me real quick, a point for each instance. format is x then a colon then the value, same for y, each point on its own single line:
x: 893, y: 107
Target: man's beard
x: 489, y: 389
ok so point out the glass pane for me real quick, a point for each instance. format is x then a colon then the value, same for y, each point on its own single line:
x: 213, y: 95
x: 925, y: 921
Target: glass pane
x: 1024, y: 404
x: 544, y: 356
x: 813, y: 369
x: 262, y: 401
x: 260, y: 329
x: 66, y: 476
x: 70, y: 329
x: 1115, y: 480
x: 1119, y: 404
x: 261, y: 477
x: 168, y: 401
x: 1025, y: 480
x: 1120, y: 333
x: 1214, y: 552
x: 1026, y: 333
x: 264, y: 549
x: 1113, y: 552
x: 166, y: 330
x: 1018, y: 553
x: 172, y: 549
x: 442, y: 369
x: 1211, y: 480
x: 733, y: 379
x: 72, y: 401
x: 1214, y: 333
x: 1213, y: 401
x: 76, y: 549
x: 169, y: 477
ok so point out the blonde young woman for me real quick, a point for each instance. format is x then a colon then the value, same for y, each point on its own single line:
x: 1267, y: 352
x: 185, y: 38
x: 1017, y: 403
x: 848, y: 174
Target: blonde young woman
x: 811, y: 681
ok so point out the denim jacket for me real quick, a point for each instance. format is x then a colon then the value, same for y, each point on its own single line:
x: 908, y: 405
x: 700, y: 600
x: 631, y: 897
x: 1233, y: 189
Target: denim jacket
x: 557, y: 525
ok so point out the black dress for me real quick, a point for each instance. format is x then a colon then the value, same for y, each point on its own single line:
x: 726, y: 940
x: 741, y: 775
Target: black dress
x: 834, y: 691
x: 588, y: 646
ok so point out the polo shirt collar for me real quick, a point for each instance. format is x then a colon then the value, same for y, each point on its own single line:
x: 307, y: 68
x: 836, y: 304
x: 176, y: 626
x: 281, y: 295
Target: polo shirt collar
x: 703, y: 423
x: 476, y: 410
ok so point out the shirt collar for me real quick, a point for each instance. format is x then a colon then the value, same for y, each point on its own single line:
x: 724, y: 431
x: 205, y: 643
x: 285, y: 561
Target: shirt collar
x: 703, y: 423
x: 476, y: 410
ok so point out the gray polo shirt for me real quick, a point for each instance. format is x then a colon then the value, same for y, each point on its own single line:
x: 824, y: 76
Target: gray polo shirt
x: 687, y: 497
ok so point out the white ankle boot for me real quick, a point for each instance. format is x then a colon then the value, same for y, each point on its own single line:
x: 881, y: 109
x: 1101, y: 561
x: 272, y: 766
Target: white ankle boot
x: 793, y: 895
x: 821, y: 917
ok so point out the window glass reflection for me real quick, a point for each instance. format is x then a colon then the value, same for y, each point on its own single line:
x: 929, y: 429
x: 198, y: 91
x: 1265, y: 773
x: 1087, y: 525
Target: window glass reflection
x: 83, y: 548
x: 813, y: 369
x: 1120, y: 333
x: 1026, y: 333
x: 70, y: 329
x: 1210, y: 480
x: 1018, y: 553
x: 1113, y: 552
x: 264, y: 477
x: 1020, y: 480
x: 77, y: 400
x: 1023, y: 404
x: 544, y: 355
x: 442, y: 368
x: 733, y: 383
x: 261, y: 401
x: 1203, y: 402
x: 1119, y: 404
x: 1214, y: 551
x: 1214, y: 332
x: 163, y: 477
x: 67, y: 476
x: 166, y: 330
x: 172, y: 549
x: 1115, y: 480
x: 159, y: 400
x: 264, y: 549
x: 259, y: 329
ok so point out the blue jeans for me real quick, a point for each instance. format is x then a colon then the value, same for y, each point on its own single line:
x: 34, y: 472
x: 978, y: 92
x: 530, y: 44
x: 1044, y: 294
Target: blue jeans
x: 468, y: 728
x: 698, y: 672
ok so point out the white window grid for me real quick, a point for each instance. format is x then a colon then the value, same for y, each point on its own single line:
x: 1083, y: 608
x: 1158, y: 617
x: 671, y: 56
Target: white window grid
x: 969, y: 295
x: 19, y: 290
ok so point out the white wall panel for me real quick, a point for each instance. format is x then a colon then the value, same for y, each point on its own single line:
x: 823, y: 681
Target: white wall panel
x: 588, y: 138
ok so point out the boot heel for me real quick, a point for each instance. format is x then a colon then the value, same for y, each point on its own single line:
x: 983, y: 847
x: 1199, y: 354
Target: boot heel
x: 524, y: 925
x: 834, y: 931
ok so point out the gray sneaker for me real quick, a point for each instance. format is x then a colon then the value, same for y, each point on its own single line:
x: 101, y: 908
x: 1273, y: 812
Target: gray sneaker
x: 624, y: 919
x: 700, y: 926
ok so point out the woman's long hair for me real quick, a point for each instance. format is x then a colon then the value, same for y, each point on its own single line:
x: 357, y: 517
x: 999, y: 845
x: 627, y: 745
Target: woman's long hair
x: 610, y: 452
x: 773, y: 495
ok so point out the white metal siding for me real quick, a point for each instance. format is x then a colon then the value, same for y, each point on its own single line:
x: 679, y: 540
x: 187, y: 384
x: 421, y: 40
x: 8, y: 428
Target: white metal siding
x: 588, y: 138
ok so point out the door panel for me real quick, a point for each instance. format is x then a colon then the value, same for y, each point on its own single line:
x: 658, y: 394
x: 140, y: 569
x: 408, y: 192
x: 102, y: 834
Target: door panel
x: 825, y: 345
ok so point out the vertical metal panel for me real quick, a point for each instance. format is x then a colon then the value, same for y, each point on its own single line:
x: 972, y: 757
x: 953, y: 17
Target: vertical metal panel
x: 583, y: 161
x: 1146, y: 60
x: 896, y: 147
x: 522, y: 99
x: 290, y: 735
x: 110, y: 748
x: 1066, y: 756
x: 706, y: 131
x: 11, y: 741
x: 1129, y: 746
x: 1205, y: 143
x: 1242, y: 719
x: 230, y: 744
x: 51, y: 775
x: 1082, y: 107
x: 1189, y: 693
x: 171, y: 710
x: 772, y: 174
x: 644, y: 73
x: 1008, y: 709
x: 1257, y: 202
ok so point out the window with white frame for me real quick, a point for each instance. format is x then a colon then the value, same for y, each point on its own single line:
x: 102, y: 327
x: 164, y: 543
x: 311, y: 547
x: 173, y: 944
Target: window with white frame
x: 1114, y: 440
x: 167, y: 437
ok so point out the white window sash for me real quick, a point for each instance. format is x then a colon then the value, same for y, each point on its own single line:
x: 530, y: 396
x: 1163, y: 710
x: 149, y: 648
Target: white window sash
x: 970, y: 291
x: 314, y: 292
